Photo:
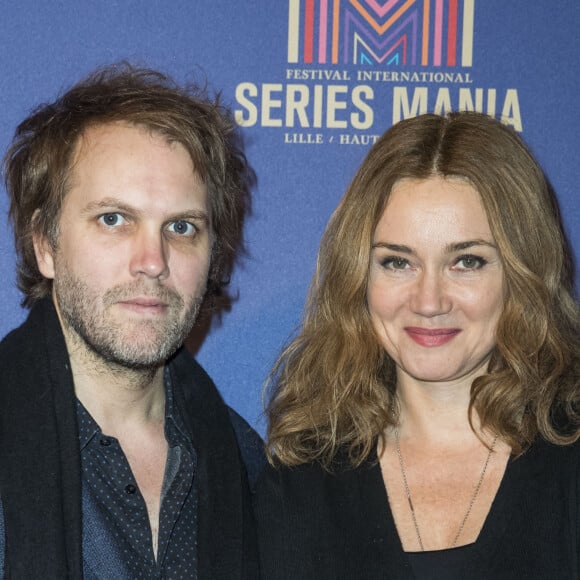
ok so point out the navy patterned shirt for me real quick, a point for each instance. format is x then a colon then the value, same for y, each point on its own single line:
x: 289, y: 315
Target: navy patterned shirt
x: 114, y: 511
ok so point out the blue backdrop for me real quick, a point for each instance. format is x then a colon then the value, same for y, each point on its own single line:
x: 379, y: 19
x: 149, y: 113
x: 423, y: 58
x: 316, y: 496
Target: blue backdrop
x: 312, y: 83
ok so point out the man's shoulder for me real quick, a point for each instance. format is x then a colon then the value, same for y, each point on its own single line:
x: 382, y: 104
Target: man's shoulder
x: 15, y: 340
x: 251, y: 446
x: 200, y: 392
x: 27, y: 351
x: 40, y: 326
x: 194, y: 384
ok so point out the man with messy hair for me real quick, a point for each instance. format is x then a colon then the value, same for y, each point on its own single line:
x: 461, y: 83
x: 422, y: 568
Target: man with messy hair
x: 118, y: 457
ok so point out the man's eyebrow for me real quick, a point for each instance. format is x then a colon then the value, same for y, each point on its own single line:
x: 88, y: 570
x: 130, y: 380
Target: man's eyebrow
x: 192, y: 214
x: 108, y: 203
x: 113, y: 203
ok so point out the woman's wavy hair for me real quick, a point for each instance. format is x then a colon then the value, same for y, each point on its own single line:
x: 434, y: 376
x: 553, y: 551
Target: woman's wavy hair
x: 333, y: 387
x: 38, y: 162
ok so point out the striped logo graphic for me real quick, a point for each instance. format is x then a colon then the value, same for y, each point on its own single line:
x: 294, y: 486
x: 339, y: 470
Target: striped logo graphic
x: 436, y: 33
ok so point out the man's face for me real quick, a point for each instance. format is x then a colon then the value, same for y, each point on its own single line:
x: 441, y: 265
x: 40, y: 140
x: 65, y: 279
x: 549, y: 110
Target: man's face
x: 131, y: 263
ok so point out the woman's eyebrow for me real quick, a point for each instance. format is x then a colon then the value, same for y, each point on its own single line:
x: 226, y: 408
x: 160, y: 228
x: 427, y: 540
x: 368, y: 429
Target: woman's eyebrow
x: 459, y: 246
x: 393, y: 247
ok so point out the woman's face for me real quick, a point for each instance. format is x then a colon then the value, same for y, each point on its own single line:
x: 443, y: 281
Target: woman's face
x: 435, y: 290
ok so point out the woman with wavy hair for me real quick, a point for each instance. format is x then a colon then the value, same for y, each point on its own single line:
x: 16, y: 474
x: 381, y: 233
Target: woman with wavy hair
x: 424, y: 421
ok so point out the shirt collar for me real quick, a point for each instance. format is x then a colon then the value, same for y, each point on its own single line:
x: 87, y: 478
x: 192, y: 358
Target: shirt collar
x: 175, y: 431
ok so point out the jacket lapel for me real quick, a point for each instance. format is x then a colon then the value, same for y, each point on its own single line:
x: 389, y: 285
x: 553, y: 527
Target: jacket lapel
x: 39, y: 456
x: 226, y: 536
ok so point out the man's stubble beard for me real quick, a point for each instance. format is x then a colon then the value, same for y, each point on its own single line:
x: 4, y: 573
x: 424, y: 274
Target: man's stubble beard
x: 147, y: 345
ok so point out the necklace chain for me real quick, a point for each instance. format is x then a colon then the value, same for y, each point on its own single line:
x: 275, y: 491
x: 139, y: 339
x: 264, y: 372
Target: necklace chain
x: 410, y: 501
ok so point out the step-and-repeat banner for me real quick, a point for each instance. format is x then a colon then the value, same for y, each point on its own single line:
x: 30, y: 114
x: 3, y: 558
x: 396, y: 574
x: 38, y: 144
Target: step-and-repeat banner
x: 312, y: 84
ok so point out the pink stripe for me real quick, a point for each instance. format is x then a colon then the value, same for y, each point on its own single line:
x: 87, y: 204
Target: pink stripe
x: 425, y: 47
x: 323, y: 31
x: 381, y: 10
x: 438, y: 36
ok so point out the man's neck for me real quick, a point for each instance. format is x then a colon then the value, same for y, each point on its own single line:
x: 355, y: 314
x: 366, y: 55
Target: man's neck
x: 129, y: 405
x: 117, y: 397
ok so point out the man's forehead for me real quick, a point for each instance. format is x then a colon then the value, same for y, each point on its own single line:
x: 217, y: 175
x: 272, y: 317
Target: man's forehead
x: 100, y: 137
x: 132, y: 163
x: 104, y: 134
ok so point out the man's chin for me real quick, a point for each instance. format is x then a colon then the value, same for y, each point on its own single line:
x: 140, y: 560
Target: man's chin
x: 127, y: 342
x: 135, y: 357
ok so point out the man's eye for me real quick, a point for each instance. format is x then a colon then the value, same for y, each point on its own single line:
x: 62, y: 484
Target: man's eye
x: 112, y: 219
x: 182, y: 228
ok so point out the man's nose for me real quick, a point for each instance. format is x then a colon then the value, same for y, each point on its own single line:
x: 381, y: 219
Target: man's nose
x: 149, y: 256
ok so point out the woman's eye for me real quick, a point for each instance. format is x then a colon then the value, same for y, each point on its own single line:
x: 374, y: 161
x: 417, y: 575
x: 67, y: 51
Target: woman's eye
x: 470, y: 262
x: 182, y: 228
x: 112, y: 219
x: 395, y: 263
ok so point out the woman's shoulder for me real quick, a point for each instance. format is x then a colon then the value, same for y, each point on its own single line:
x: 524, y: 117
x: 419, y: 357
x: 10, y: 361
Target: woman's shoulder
x: 292, y: 478
x: 311, y: 488
x: 315, y: 523
x: 314, y: 473
x: 552, y: 460
x: 547, y: 449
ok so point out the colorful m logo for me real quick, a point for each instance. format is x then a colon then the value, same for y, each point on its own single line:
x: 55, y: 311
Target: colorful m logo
x: 392, y: 32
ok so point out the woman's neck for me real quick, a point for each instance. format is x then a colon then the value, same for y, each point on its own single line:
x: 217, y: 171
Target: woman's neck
x: 436, y: 412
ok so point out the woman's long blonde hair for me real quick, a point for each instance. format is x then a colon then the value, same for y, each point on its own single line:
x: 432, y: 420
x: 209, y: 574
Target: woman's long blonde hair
x: 333, y: 387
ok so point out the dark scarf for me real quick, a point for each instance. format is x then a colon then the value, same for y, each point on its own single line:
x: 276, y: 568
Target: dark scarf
x: 40, y: 466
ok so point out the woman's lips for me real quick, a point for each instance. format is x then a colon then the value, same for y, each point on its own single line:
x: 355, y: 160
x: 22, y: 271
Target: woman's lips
x: 430, y: 337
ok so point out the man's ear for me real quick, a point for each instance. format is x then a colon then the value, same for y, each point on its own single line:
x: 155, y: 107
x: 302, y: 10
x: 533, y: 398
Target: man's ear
x: 43, y: 250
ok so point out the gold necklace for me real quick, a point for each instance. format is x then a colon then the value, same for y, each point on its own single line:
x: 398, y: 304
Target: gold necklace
x: 408, y: 492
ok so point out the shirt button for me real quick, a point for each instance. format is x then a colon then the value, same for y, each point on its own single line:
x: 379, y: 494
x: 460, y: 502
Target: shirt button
x: 105, y: 441
x: 131, y: 489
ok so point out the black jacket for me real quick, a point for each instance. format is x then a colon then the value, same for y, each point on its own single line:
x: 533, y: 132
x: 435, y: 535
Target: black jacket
x: 314, y: 525
x: 40, y: 467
